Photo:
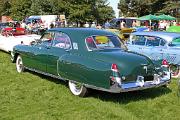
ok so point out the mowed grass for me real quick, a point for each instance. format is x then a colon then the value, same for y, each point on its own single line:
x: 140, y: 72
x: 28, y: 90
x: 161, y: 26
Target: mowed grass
x: 30, y: 96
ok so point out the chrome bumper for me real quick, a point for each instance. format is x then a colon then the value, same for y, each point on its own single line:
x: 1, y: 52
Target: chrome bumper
x: 140, y: 85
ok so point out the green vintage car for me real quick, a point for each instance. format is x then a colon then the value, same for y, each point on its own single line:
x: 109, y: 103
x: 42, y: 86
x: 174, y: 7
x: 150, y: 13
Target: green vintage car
x: 89, y: 58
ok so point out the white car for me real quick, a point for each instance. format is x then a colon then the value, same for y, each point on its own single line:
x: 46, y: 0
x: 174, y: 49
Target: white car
x: 158, y: 45
x: 7, y: 43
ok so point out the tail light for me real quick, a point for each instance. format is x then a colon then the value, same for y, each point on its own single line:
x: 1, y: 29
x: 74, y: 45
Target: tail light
x: 115, y: 78
x: 165, y: 63
x: 114, y: 67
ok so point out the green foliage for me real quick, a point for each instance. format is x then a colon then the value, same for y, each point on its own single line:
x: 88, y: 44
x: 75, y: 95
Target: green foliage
x: 171, y: 7
x: 31, y: 96
x: 90, y: 10
x: 19, y: 9
x: 144, y: 7
x: 75, y: 10
x: 5, y: 7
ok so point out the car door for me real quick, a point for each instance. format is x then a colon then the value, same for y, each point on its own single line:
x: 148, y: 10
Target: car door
x: 137, y: 43
x: 61, y: 46
x: 154, y: 47
x: 39, y: 52
x: 171, y: 53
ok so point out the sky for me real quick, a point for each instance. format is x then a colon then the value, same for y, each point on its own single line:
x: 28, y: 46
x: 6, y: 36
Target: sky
x: 114, y: 4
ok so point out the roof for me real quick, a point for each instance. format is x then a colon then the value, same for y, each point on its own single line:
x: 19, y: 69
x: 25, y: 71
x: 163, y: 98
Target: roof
x: 164, y: 35
x: 82, y: 31
x: 78, y: 35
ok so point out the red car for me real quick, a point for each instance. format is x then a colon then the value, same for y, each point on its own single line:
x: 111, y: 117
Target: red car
x: 9, y: 31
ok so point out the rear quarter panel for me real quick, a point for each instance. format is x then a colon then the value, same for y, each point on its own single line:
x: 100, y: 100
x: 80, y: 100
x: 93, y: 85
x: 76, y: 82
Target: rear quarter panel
x: 85, y: 70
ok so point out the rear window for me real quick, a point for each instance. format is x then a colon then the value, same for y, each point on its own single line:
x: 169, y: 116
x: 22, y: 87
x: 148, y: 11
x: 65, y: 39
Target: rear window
x: 103, y: 42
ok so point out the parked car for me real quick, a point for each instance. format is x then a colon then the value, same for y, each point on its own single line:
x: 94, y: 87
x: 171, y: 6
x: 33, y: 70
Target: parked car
x: 158, y: 45
x: 115, y: 23
x: 89, y: 58
x: 3, y: 25
x: 123, y: 33
x: 10, y: 37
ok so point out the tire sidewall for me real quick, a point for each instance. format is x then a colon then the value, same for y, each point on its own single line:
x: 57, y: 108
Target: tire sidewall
x: 18, y: 68
x: 82, y: 92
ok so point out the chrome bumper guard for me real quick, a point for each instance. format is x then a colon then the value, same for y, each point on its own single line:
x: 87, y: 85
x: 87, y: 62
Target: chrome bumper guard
x: 140, y: 84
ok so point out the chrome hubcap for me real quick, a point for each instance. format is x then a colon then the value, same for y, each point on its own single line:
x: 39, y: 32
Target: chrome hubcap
x: 19, y: 65
x: 75, y: 87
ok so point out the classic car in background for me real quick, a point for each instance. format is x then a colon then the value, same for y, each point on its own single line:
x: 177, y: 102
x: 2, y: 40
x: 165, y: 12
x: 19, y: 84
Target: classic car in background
x: 124, y: 33
x: 10, y: 37
x: 3, y: 25
x: 90, y: 58
x: 115, y: 23
x: 10, y: 31
x: 158, y: 45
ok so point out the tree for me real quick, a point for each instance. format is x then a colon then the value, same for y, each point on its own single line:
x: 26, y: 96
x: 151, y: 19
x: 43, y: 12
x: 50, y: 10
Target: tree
x: 171, y: 7
x: 143, y: 7
x: 78, y: 11
x: 90, y: 10
x: 6, y: 6
x: 20, y: 9
x: 1, y: 6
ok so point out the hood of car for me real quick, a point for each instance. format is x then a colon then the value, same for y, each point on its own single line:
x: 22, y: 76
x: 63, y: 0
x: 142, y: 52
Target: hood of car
x: 129, y: 64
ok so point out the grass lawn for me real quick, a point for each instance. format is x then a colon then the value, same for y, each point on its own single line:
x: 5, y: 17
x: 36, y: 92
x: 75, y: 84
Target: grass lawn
x: 30, y: 96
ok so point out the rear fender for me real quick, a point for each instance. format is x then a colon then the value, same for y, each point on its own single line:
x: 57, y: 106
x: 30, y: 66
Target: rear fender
x: 85, y: 70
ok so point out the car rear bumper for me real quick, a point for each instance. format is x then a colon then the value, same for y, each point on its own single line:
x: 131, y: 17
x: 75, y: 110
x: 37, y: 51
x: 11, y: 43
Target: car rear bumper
x: 141, y: 85
x: 137, y: 85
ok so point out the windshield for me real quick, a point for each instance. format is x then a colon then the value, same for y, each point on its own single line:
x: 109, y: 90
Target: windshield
x: 104, y: 42
x: 175, y: 42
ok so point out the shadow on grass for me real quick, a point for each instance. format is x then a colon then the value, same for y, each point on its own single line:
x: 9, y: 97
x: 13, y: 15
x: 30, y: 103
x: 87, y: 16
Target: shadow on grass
x: 127, y: 97
x: 122, y: 98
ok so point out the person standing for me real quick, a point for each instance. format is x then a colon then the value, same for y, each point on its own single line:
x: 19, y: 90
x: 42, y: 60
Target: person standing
x: 123, y: 24
x: 51, y: 25
x: 134, y: 24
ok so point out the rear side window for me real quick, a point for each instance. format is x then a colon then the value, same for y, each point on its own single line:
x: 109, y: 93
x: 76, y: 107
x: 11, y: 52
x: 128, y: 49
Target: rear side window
x: 138, y: 40
x: 152, y: 41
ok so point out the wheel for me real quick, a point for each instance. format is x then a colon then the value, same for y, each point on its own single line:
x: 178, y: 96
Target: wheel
x: 175, y: 71
x: 19, y: 64
x: 77, y: 89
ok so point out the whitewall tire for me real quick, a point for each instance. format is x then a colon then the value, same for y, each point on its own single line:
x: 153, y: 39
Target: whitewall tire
x: 19, y: 64
x: 77, y: 89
